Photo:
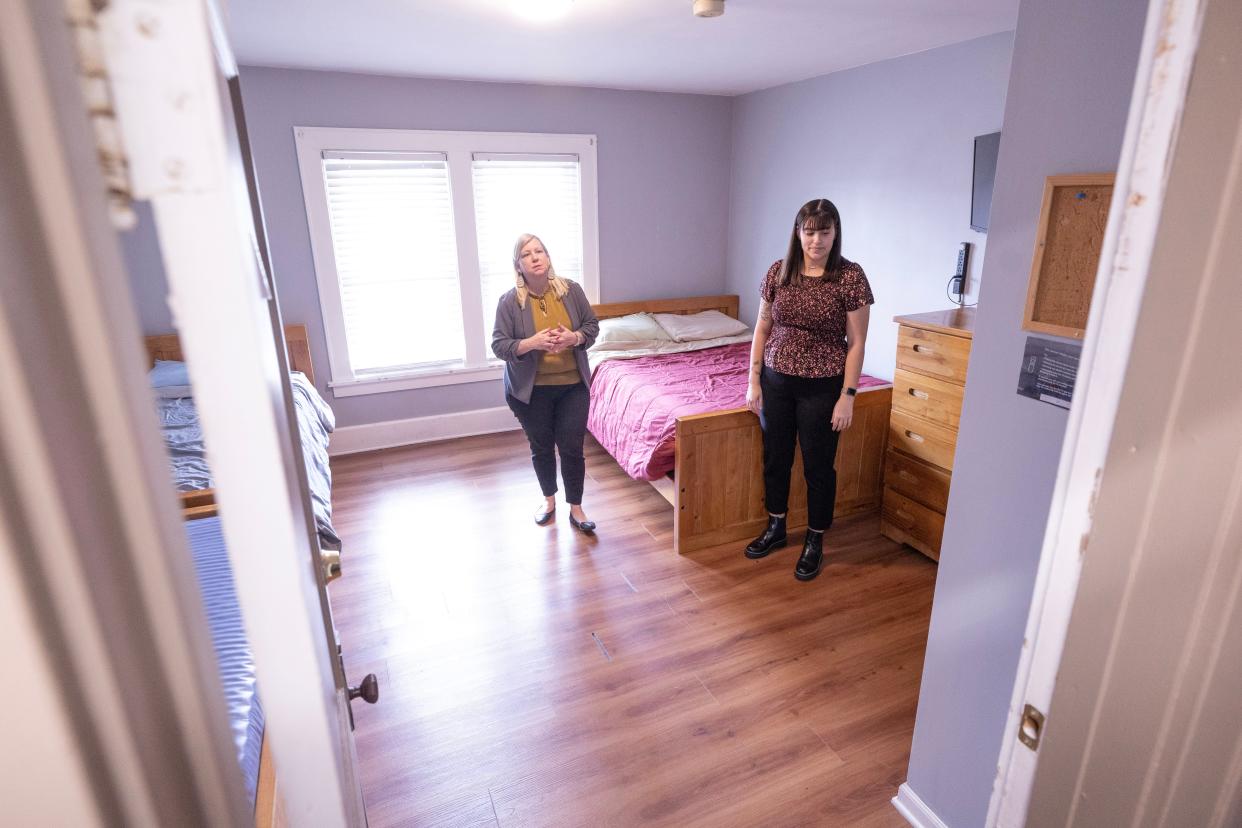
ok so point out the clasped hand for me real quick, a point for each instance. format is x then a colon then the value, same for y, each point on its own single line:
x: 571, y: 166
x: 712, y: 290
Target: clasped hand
x: 554, y: 340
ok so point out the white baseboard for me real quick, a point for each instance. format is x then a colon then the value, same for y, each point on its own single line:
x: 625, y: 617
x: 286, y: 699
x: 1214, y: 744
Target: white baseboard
x: 915, y: 810
x: 372, y: 436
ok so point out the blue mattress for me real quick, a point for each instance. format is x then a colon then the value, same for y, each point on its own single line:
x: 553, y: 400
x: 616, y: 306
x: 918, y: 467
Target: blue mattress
x: 215, y: 578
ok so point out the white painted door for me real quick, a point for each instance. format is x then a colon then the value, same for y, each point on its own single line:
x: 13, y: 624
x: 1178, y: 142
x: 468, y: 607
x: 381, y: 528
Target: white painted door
x: 170, y: 69
x: 1099, y: 461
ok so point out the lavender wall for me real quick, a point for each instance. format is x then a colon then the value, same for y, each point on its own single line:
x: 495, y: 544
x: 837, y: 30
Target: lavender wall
x: 1073, y: 70
x: 891, y: 144
x: 663, y: 187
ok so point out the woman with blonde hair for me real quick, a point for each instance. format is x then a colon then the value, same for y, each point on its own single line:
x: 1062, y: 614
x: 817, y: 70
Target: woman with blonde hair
x: 543, y: 327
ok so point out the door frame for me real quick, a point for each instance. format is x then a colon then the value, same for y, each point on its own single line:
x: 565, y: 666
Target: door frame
x: 1170, y: 41
x: 87, y: 509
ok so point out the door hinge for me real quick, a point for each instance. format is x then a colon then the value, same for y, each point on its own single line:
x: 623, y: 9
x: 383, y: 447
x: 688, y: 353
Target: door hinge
x: 1031, y: 728
x: 97, y: 95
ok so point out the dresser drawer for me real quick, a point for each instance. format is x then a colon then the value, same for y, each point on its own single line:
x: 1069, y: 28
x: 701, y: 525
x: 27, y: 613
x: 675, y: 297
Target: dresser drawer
x: 933, y: 354
x: 906, y: 521
x: 917, y: 480
x: 927, y: 397
x: 922, y: 439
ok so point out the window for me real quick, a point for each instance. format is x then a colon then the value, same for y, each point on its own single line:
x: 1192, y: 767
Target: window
x: 513, y: 193
x: 395, y: 250
x: 412, y: 235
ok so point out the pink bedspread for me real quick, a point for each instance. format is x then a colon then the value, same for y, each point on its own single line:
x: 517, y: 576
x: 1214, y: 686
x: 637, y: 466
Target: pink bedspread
x: 635, y: 403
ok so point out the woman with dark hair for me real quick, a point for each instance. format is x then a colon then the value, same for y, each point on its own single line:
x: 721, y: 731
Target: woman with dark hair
x: 543, y: 327
x: 805, y: 362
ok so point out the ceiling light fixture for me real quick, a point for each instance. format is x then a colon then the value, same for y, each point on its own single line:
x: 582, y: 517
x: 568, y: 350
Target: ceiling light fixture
x: 708, y: 8
x: 543, y: 11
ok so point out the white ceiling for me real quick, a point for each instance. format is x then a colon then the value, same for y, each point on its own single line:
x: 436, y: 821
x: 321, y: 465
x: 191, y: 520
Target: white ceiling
x: 623, y: 44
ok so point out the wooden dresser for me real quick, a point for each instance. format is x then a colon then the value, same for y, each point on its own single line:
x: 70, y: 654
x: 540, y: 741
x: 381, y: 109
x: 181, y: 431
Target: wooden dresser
x: 933, y: 350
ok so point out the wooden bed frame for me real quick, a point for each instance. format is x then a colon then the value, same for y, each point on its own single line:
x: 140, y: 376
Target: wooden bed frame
x: 717, y: 490
x: 201, y: 503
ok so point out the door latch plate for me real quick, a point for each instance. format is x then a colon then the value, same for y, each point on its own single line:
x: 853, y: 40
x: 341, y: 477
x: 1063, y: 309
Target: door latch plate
x: 1031, y: 728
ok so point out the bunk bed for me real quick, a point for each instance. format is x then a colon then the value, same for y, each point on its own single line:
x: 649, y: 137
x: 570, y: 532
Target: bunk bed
x: 204, y: 534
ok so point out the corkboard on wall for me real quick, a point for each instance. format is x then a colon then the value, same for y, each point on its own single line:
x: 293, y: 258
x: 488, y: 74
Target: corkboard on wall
x: 1067, y: 253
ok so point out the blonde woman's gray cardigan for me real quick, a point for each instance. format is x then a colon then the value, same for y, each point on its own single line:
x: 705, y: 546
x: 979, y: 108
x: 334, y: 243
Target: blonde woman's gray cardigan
x: 515, y: 323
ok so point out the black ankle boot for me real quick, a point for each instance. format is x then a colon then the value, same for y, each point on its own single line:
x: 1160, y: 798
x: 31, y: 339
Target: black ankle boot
x: 773, y: 537
x: 812, y: 556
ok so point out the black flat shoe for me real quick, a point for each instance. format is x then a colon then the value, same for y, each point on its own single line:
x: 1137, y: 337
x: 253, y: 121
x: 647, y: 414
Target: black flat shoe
x: 812, y: 559
x: 773, y: 537
x: 542, y: 517
x: 586, y: 527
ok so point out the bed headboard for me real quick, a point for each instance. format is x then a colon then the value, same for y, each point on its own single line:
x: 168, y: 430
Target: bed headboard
x: 725, y: 304
x: 168, y: 346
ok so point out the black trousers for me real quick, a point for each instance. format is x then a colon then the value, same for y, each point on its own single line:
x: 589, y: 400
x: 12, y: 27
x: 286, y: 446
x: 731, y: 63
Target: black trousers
x: 799, y: 410
x: 555, y: 422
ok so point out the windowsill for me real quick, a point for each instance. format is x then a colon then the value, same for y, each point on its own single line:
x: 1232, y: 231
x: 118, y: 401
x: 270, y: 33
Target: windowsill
x: 411, y: 380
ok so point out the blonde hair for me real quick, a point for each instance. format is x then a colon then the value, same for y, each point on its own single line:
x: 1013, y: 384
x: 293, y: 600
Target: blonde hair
x: 559, y: 286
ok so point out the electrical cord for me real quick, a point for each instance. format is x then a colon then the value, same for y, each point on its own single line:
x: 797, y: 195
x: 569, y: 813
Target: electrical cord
x: 960, y: 297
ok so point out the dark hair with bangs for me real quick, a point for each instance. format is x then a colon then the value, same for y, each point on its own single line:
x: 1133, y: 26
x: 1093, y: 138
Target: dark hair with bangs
x: 816, y: 214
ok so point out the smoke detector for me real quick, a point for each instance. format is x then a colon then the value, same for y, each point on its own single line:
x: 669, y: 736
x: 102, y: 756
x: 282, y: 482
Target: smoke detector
x: 708, y: 8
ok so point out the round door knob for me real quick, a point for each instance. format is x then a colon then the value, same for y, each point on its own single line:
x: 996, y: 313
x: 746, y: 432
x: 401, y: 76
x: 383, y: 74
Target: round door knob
x: 368, y: 690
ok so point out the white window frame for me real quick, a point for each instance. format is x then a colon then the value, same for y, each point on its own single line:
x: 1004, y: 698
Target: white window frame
x: 459, y: 148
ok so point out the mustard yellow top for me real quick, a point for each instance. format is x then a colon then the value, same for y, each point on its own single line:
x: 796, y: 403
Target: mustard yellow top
x: 549, y: 311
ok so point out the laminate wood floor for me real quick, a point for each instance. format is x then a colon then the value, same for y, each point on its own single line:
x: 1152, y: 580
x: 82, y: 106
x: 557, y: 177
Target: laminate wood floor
x: 534, y: 676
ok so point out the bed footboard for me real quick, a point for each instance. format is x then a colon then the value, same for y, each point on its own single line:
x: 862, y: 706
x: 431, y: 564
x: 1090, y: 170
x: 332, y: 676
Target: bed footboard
x: 719, y: 486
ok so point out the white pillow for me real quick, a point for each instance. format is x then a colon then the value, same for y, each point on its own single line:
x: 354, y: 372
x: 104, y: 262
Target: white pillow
x: 708, y: 324
x: 628, y: 333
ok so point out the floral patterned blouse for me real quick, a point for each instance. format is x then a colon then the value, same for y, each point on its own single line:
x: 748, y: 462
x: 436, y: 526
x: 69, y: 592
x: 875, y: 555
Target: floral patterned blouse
x: 808, y: 320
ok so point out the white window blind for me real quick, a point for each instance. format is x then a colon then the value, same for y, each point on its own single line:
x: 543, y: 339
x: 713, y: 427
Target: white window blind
x: 394, y: 243
x: 525, y: 193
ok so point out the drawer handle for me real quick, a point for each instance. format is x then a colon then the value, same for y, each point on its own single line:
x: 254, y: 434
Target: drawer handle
x: 924, y: 349
x: 922, y: 395
x: 918, y: 438
x: 908, y: 518
x: 907, y: 476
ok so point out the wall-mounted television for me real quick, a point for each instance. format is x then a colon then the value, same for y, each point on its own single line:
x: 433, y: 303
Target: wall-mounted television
x: 986, y: 149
